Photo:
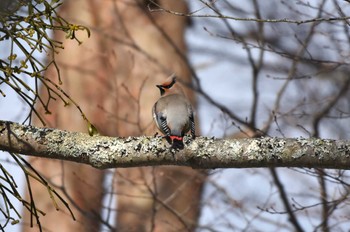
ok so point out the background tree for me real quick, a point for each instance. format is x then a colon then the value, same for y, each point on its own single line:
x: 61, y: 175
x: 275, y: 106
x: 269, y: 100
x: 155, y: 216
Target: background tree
x: 112, y: 77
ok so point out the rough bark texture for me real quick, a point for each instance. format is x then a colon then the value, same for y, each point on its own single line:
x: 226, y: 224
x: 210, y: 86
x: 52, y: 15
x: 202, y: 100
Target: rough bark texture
x: 112, y: 76
x: 107, y: 152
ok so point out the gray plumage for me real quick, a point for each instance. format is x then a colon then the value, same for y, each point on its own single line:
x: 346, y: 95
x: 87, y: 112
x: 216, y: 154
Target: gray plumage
x: 174, y: 115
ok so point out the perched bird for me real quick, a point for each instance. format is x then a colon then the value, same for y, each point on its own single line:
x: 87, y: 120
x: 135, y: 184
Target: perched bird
x: 173, y: 113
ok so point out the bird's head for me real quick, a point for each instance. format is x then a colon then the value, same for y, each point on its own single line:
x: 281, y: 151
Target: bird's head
x: 168, y: 86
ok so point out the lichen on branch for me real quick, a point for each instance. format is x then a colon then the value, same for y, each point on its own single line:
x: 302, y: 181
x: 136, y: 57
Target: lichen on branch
x: 111, y: 152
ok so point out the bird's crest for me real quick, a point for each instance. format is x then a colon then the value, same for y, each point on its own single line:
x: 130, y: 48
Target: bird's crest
x: 169, y: 85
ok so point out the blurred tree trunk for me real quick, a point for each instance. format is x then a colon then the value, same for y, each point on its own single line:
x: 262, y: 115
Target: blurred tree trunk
x: 112, y: 77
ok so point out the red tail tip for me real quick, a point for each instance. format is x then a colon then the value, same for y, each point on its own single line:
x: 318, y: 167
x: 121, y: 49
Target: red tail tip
x: 174, y: 137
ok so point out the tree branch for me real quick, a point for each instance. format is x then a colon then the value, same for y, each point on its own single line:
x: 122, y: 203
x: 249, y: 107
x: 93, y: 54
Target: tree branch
x: 259, y: 20
x: 109, y: 152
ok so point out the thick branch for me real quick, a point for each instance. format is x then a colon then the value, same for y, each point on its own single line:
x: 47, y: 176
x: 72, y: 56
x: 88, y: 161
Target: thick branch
x: 108, y: 152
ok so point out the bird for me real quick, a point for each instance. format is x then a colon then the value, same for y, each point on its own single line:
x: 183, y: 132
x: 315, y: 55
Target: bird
x: 173, y: 113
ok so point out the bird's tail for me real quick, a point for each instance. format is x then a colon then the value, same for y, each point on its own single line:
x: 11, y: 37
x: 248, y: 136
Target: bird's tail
x: 177, y: 142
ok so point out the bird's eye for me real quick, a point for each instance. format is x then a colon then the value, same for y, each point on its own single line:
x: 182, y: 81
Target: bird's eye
x: 167, y: 86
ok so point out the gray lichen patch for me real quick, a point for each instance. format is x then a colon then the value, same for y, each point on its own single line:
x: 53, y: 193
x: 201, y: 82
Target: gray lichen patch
x: 106, y: 151
x: 313, y: 147
x: 236, y: 148
x: 342, y: 149
x: 321, y: 147
x: 274, y: 148
x: 254, y: 151
x: 147, y: 144
x: 300, y: 148
x: 207, y: 143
